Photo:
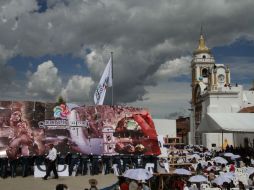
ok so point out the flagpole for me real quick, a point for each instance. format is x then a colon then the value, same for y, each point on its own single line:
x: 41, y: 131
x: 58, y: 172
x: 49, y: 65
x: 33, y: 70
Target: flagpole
x: 112, y: 80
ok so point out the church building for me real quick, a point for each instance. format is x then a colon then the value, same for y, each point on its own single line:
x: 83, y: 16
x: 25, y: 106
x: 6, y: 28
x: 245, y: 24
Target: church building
x: 216, y: 117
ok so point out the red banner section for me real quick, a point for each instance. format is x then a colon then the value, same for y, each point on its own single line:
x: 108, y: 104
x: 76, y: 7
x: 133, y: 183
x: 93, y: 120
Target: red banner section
x: 27, y: 128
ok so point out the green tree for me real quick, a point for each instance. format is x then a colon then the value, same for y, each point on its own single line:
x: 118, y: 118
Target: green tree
x: 60, y: 100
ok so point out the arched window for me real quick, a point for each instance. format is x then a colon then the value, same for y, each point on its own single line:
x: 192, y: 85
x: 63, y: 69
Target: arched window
x: 205, y: 72
x: 204, y: 56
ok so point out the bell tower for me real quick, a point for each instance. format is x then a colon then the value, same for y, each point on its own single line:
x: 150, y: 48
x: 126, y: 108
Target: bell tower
x: 208, y: 80
x: 201, y: 66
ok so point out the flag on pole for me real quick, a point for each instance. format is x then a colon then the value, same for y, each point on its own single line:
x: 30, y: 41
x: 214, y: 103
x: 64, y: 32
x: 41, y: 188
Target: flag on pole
x: 105, y: 81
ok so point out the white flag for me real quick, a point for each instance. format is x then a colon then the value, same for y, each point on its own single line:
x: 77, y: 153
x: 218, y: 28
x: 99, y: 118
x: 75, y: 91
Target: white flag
x: 106, y: 81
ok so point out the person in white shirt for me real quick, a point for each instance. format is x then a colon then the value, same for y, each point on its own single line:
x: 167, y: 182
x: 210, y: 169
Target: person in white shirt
x: 51, y: 165
x: 145, y: 186
x: 187, y: 186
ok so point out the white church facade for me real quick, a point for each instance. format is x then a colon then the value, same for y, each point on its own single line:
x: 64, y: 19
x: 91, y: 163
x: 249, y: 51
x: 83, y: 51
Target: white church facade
x: 216, y: 102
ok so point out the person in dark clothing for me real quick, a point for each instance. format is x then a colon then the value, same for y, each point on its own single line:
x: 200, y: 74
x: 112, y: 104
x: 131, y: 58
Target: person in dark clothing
x: 83, y: 165
x: 137, y: 161
x: 107, y: 163
x: 24, y: 160
x: 95, y: 165
x: 13, y: 166
x: 117, y: 160
x: 3, y: 166
x: 75, y: 159
x: 127, y: 162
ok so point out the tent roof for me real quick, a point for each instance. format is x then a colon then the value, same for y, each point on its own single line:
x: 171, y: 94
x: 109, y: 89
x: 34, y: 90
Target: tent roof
x: 227, y: 122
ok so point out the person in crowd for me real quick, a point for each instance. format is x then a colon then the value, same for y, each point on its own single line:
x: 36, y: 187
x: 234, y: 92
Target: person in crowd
x: 232, y: 167
x: 223, y: 168
x: 226, y: 186
x: 75, y: 160
x: 3, y: 166
x: 133, y: 185
x: 140, y: 186
x: 214, y: 185
x: 231, y: 184
x: 145, y: 185
x: 51, y: 162
x: 93, y: 184
x: 126, y: 162
x: 198, y: 186
x: 211, y: 175
x: 227, y: 148
x: 61, y: 187
x: 199, y: 169
x: 187, y: 186
x: 117, y: 160
x: 242, y: 164
x: 123, y: 183
x: 194, y: 160
x: 250, y: 180
x: 24, y: 160
x: 107, y: 162
x: 241, y: 186
x: 13, y: 166
x: 94, y: 159
x: 84, y: 159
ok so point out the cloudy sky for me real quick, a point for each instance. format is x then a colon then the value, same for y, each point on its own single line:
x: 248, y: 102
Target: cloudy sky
x: 50, y: 48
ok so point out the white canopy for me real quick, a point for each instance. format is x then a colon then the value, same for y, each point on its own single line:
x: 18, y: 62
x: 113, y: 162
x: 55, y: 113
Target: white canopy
x: 227, y: 122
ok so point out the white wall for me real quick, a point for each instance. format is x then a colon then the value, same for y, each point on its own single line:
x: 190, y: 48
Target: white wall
x: 223, y: 102
x: 239, y: 138
x: 235, y: 139
x: 248, y: 98
x: 216, y: 138
x: 165, y: 127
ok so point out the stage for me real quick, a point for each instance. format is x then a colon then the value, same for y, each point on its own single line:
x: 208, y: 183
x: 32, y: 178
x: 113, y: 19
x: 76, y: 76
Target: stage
x: 74, y: 183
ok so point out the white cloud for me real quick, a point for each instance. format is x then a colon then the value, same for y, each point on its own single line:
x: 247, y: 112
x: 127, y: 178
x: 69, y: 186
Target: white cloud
x: 12, y: 9
x: 78, y: 89
x: 5, y: 54
x: 148, y: 38
x: 50, y: 25
x: 173, y: 68
x: 45, y: 82
x: 95, y: 63
x: 166, y: 98
x: 15, y: 26
x: 6, y: 73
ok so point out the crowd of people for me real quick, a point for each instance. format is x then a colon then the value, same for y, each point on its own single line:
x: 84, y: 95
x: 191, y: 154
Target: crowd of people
x: 122, y: 184
x: 223, y: 169
x: 201, y: 162
x: 93, y: 185
x: 78, y: 163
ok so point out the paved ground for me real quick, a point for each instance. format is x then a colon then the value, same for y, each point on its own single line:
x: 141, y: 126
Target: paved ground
x: 74, y: 183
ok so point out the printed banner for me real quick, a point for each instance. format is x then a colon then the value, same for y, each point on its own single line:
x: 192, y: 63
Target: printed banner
x: 27, y: 128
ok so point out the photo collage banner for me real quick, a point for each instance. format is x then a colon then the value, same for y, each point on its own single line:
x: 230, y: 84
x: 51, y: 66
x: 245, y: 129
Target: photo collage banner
x: 27, y: 128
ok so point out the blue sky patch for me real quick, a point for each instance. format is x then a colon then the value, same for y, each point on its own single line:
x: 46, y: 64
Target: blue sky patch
x: 67, y: 65
x: 43, y: 6
x: 240, y: 48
